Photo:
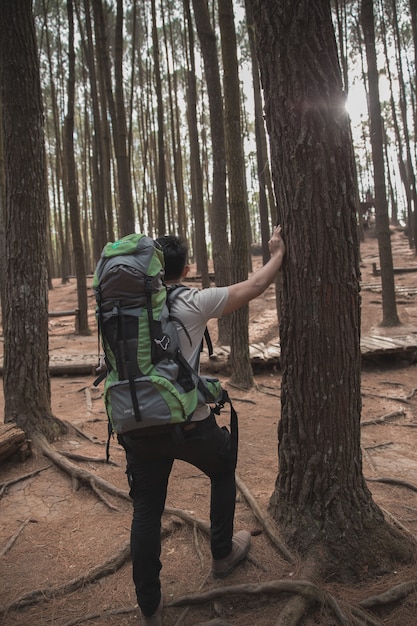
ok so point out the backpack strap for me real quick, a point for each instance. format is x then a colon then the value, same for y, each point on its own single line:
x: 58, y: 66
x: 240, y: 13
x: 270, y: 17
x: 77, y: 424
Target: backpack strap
x: 234, y: 426
x: 177, y: 288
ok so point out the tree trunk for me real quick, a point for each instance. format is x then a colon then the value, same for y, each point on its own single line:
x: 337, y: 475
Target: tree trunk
x: 218, y: 218
x: 321, y: 501
x: 411, y: 178
x: 98, y: 152
x: 126, y: 212
x: 389, y: 306
x: 261, y: 147
x: 72, y: 185
x: 200, y: 248
x: 239, y: 353
x: 116, y: 109
x: 27, y: 393
x: 161, y: 177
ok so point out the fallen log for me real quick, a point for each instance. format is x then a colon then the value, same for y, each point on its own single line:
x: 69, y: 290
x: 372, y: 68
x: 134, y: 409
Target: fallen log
x: 12, y: 440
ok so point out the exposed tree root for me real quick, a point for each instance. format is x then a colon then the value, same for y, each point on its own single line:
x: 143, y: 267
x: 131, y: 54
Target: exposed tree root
x: 42, y: 595
x: 77, y: 473
x: 3, y: 486
x: 384, y: 418
x: 395, y: 521
x: 88, y: 459
x: 391, y: 596
x: 269, y: 529
x: 302, y: 587
x: 304, y: 593
x: 297, y: 606
x: 12, y: 539
x: 393, y: 481
x: 80, y: 432
x: 103, y: 615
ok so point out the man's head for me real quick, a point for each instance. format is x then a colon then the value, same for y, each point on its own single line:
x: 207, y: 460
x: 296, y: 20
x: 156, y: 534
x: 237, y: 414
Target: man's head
x: 175, y: 255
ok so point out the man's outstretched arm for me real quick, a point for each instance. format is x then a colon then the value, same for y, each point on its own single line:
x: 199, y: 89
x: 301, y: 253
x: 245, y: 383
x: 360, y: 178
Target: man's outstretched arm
x: 245, y: 291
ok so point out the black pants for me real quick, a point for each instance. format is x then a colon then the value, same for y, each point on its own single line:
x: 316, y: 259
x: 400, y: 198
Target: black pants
x: 149, y: 462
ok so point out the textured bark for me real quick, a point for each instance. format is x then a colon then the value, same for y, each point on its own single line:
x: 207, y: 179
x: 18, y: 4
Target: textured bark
x: 115, y: 105
x: 100, y: 233
x: 321, y: 500
x: 218, y: 218
x: 200, y: 247
x: 27, y: 392
x: 161, y: 176
x: 72, y: 186
x: 239, y: 219
x: 389, y: 307
x: 266, y: 215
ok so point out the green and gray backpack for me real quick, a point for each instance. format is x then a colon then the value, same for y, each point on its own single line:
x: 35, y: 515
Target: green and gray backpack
x: 148, y: 381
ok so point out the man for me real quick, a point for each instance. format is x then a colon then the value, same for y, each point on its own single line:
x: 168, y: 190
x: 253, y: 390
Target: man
x: 204, y: 444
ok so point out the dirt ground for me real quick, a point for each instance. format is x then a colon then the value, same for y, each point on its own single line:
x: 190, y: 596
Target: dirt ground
x: 56, y: 534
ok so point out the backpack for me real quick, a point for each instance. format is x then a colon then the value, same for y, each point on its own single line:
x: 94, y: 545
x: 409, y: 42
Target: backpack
x: 148, y: 381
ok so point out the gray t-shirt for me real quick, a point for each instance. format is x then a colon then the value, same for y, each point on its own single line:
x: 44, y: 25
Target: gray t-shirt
x: 194, y: 308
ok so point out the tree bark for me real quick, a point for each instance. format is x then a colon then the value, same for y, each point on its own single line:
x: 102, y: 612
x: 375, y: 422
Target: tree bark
x: 219, y: 212
x: 321, y: 501
x: 72, y: 186
x: 266, y: 214
x: 161, y: 176
x: 27, y: 392
x: 239, y: 219
x: 389, y: 306
x: 200, y: 246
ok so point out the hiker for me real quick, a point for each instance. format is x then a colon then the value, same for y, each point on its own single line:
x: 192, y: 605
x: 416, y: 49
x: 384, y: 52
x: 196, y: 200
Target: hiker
x: 150, y: 452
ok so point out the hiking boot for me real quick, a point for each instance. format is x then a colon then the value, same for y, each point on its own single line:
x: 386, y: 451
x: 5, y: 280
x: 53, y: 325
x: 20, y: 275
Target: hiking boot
x: 155, y: 619
x: 240, y: 548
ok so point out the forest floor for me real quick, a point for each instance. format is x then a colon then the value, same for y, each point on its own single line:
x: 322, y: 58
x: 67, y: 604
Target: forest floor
x: 64, y: 547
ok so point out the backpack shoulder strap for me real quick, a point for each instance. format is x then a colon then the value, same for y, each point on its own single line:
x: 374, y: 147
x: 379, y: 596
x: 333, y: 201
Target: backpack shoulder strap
x: 173, y: 291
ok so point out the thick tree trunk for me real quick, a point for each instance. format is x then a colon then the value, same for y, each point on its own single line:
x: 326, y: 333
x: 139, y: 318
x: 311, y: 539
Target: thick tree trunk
x: 321, y: 500
x: 27, y: 393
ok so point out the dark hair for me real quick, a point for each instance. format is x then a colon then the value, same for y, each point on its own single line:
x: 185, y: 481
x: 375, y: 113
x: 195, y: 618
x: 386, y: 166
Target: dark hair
x: 175, y: 255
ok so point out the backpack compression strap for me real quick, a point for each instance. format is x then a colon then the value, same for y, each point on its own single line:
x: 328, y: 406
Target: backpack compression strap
x: 234, y: 427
